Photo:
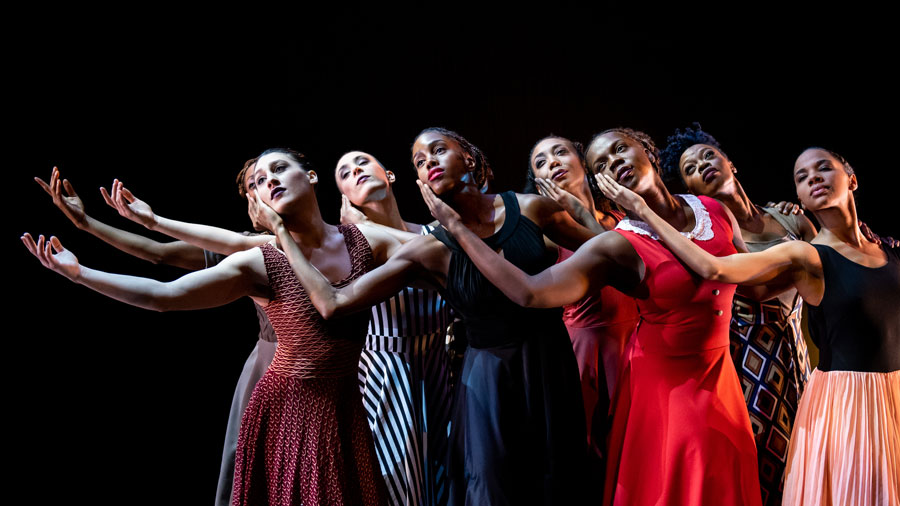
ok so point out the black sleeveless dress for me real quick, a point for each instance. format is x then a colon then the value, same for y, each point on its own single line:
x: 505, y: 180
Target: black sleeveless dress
x: 517, y: 425
x: 845, y: 447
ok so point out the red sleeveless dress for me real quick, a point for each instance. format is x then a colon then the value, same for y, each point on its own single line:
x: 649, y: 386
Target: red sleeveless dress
x: 304, y: 437
x: 681, y: 432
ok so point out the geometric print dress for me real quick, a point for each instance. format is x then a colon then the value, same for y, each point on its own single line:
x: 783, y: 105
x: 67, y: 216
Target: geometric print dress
x: 404, y: 379
x: 772, y: 362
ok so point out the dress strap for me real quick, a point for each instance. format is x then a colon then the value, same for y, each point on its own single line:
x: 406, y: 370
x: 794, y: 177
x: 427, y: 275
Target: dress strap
x: 513, y: 213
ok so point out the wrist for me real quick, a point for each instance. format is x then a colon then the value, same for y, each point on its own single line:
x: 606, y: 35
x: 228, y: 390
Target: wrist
x: 641, y: 210
x: 456, y: 227
x: 78, y: 277
x: 85, y: 223
x: 151, y: 222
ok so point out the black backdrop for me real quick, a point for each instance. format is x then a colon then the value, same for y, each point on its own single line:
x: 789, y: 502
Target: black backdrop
x: 107, y: 402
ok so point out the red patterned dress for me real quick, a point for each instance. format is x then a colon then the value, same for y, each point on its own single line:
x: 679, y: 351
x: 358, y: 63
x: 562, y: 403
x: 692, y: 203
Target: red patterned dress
x: 681, y: 433
x: 304, y: 437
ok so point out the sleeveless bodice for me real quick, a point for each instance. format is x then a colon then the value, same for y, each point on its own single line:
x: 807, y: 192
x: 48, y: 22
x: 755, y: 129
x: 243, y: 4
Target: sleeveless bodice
x: 857, y: 324
x: 308, y: 345
x: 689, y: 314
x: 491, y: 318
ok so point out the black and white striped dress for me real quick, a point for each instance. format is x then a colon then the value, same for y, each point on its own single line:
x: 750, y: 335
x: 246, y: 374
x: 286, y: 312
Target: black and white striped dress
x: 403, y: 376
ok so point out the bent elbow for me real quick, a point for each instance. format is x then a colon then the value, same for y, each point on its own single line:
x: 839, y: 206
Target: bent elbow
x: 525, y: 298
x: 327, y: 309
x: 712, y: 272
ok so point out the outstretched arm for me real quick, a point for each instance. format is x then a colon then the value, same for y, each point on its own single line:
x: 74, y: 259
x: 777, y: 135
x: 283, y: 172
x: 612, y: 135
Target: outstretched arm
x: 398, y: 271
x: 238, y: 275
x: 177, y: 253
x: 206, y: 237
x: 591, y: 266
x: 742, y: 268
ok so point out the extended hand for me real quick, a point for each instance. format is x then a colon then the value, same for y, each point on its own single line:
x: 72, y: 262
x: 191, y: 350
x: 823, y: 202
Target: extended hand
x: 785, y: 207
x: 266, y: 217
x: 70, y: 203
x: 62, y: 262
x: 618, y: 193
x: 439, y: 209
x: 569, y: 202
x: 128, y: 205
x: 350, y: 214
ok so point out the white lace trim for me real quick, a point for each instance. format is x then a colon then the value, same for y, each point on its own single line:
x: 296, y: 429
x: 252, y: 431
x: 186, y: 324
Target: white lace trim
x: 702, y: 227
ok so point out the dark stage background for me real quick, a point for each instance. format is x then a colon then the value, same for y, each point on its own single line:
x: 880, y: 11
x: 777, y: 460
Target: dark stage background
x: 107, y: 403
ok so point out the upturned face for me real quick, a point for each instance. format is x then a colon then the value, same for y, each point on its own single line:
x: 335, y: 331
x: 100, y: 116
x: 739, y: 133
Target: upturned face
x: 705, y: 170
x: 623, y: 159
x: 361, y: 178
x: 440, y: 162
x: 556, y: 159
x: 281, y: 181
x: 821, y: 180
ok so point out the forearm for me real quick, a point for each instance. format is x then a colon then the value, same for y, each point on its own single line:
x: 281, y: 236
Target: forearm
x: 218, y: 240
x: 180, y: 255
x: 317, y: 286
x: 703, y: 263
x: 136, y: 291
x: 518, y: 286
x: 585, y: 218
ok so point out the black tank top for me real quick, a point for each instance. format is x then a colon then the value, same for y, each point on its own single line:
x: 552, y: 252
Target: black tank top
x: 491, y: 318
x: 857, y: 324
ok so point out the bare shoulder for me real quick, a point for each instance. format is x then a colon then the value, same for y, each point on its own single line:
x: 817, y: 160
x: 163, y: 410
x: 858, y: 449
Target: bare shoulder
x: 247, y: 260
x: 537, y: 208
x: 800, y: 253
x: 611, y: 244
x: 375, y: 234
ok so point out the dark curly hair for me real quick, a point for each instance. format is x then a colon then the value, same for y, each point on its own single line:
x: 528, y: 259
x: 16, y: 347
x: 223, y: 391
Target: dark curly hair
x: 483, y: 172
x: 600, y: 201
x: 242, y: 175
x: 676, y: 144
x: 645, y: 140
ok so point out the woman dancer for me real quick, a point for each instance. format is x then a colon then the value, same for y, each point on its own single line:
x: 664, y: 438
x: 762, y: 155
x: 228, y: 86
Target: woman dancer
x: 600, y: 324
x: 303, y: 437
x: 403, y: 370
x: 185, y: 255
x: 845, y: 447
x: 680, y: 432
x: 767, y: 346
x: 516, y: 433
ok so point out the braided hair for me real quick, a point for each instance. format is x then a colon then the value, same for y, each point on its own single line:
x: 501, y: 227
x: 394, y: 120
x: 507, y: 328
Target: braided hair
x: 636, y: 135
x: 483, y: 172
x: 242, y: 175
x: 600, y: 200
x: 676, y: 145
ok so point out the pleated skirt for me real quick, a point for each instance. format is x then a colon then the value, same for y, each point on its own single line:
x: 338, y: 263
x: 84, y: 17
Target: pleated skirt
x: 845, y: 447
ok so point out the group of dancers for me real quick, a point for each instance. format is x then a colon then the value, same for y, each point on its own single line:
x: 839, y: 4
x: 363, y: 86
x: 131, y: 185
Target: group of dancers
x: 656, y: 383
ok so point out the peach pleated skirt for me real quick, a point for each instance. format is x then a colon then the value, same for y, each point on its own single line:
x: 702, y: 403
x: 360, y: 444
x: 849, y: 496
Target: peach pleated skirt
x: 845, y: 447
